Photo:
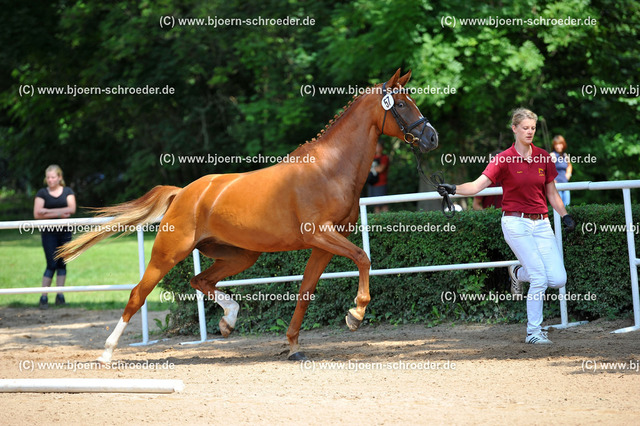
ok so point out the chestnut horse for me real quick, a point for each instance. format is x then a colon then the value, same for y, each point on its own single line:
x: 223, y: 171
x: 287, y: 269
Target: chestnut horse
x: 233, y: 218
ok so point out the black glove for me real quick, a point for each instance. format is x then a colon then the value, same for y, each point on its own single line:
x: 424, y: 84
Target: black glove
x: 568, y: 222
x: 446, y: 188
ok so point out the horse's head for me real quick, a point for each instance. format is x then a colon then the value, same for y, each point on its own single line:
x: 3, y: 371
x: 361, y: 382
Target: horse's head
x: 409, y: 124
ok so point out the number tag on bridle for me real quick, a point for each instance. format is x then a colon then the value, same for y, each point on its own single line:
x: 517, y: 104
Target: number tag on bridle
x: 387, y: 102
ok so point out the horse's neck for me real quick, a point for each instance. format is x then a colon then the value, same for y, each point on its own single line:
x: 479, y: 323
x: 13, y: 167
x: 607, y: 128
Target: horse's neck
x: 348, y: 146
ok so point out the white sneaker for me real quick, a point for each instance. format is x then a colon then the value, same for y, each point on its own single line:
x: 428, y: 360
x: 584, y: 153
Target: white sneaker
x: 516, y: 284
x: 539, y: 338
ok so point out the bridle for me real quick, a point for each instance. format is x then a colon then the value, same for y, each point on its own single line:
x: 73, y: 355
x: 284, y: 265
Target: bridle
x: 437, y: 177
x: 405, y: 128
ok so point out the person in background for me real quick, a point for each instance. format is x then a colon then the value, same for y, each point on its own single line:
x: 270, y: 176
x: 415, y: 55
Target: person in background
x: 380, y: 167
x: 56, y: 201
x: 563, y: 166
x: 527, y: 175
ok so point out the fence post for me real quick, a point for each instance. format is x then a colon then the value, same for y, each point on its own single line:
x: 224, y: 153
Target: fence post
x: 564, y: 316
x: 202, y: 320
x: 633, y: 262
x: 364, y: 222
x: 145, y: 313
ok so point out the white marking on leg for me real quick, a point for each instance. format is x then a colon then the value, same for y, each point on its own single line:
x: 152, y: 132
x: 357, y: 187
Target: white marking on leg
x: 112, y: 342
x: 229, y: 305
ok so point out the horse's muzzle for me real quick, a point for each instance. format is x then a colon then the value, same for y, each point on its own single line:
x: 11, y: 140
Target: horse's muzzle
x: 428, y: 138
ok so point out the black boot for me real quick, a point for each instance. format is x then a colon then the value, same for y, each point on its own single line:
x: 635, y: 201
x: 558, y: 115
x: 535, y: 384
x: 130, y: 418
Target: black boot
x: 60, y: 299
x: 44, y: 302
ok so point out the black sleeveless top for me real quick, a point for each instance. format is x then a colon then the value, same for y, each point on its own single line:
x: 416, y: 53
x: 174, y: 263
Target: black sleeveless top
x: 55, y: 202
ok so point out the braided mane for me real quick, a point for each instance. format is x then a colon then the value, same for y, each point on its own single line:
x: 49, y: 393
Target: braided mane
x: 303, y: 148
x: 334, y: 119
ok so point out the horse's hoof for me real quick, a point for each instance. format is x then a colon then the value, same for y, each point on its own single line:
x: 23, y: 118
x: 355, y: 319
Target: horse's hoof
x: 104, y: 361
x: 298, y: 356
x: 225, y: 328
x: 352, y: 322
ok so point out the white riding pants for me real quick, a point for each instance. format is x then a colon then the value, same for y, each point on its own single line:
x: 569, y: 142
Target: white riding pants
x: 534, y: 244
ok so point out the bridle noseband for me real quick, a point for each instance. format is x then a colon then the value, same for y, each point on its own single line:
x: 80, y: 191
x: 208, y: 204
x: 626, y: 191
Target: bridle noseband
x: 404, y: 127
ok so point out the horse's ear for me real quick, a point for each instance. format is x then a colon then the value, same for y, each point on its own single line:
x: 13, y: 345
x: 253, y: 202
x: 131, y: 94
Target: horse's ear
x: 402, y: 81
x: 393, y: 80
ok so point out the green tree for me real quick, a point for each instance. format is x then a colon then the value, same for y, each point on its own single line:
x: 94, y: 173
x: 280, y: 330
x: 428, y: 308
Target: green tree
x: 237, y: 87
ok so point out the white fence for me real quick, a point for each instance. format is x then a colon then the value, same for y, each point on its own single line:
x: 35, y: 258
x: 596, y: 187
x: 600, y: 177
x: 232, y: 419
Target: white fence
x: 625, y: 186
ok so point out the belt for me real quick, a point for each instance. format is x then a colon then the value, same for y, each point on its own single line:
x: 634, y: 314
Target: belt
x: 532, y: 216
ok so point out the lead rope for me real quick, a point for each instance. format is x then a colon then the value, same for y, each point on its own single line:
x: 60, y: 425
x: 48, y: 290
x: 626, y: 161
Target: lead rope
x: 436, y: 179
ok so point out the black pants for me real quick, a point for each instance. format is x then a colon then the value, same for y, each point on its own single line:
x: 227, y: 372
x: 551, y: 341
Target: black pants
x: 51, y: 241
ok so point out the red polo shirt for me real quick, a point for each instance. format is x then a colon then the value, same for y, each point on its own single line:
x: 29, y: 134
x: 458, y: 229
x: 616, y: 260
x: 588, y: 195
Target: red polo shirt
x: 523, y: 183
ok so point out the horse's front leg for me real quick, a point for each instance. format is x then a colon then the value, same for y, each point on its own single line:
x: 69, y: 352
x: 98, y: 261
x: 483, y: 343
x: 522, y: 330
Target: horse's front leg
x: 338, y: 244
x: 315, y: 266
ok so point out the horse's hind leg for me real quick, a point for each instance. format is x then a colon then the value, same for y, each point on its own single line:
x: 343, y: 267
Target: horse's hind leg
x: 228, y: 261
x: 167, y: 251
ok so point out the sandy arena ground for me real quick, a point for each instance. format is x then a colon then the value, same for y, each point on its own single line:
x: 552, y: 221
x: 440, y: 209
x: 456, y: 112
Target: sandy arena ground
x: 450, y: 374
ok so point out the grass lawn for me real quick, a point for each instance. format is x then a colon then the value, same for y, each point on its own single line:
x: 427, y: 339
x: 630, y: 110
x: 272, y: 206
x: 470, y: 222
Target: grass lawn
x: 113, y: 261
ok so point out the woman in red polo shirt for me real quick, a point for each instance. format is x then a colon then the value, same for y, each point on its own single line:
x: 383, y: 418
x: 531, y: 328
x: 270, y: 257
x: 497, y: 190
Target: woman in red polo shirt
x: 527, y: 175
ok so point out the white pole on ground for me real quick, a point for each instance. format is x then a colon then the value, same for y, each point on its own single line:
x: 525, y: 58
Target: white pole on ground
x: 91, y: 385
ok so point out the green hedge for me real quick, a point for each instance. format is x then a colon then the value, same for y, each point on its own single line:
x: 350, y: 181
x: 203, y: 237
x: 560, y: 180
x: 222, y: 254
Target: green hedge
x: 597, y: 263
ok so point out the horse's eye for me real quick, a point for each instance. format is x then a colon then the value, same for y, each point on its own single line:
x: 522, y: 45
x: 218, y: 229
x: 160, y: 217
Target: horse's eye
x: 400, y: 104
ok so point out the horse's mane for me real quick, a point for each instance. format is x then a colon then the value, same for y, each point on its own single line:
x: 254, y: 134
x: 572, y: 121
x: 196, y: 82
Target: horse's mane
x: 303, y: 149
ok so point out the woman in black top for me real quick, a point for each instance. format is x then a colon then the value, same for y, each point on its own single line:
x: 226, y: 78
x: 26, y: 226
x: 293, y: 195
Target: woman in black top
x: 54, y: 202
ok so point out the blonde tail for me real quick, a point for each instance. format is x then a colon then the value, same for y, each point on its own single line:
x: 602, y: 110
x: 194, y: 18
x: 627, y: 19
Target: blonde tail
x: 127, y: 215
